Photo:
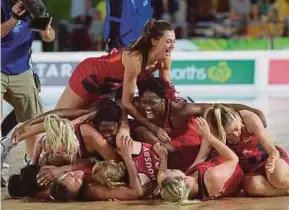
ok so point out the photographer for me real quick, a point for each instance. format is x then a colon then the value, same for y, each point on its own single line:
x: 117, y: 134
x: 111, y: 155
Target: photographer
x: 18, y: 85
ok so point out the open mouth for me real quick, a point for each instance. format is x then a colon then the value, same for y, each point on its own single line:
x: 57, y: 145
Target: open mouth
x: 149, y: 113
x: 108, y: 137
x: 168, y: 52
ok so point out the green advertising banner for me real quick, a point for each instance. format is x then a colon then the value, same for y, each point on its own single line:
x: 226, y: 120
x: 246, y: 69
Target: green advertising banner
x: 240, y: 44
x: 213, y: 72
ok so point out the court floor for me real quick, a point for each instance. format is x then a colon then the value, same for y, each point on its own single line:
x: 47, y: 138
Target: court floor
x: 276, y: 109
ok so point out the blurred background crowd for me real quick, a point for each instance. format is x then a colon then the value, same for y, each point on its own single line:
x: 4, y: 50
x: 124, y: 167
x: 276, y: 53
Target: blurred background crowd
x: 79, y: 23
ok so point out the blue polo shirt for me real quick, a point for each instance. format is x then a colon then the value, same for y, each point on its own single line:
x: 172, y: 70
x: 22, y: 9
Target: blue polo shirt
x: 16, y: 45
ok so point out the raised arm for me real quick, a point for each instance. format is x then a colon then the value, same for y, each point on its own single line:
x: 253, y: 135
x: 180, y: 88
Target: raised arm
x: 7, y: 27
x: 48, y: 35
x: 163, y: 155
x: 165, y: 71
x: 198, y: 109
x: 203, y: 153
x: 30, y: 130
x: 222, y: 149
x: 132, y: 69
x: 255, y: 126
x: 70, y: 114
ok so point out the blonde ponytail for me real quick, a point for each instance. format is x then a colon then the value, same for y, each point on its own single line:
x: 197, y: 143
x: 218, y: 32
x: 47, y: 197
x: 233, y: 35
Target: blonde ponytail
x: 60, y: 134
x: 221, y: 130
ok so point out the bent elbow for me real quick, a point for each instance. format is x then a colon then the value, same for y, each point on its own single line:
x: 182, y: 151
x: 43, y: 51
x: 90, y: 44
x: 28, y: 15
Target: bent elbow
x: 235, y: 159
x: 137, y: 194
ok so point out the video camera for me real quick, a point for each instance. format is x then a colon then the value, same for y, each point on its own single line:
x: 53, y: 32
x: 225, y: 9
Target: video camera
x: 37, y: 12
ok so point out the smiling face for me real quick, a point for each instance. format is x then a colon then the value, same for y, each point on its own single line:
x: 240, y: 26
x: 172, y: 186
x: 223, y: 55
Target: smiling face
x: 108, y: 129
x: 163, y: 46
x: 151, y: 105
x: 72, y: 180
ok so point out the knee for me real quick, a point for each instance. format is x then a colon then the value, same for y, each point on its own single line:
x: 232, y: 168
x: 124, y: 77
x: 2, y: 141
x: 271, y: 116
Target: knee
x: 279, y: 181
x: 253, y: 185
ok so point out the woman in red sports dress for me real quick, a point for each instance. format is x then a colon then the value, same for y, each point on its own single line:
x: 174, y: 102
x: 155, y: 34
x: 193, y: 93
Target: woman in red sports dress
x: 265, y: 165
x: 100, y: 77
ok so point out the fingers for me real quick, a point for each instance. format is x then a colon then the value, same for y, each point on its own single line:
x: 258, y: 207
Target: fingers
x: 270, y: 168
x: 157, y: 146
x: 160, y: 149
x: 48, y: 167
x: 270, y: 164
x: 44, y: 178
x: 19, y: 4
x: 202, y: 125
x: 15, y: 140
x: 22, y: 12
x: 163, y: 136
x: 201, y: 121
x: 125, y: 145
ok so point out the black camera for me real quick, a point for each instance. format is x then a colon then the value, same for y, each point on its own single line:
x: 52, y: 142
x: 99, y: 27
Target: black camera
x: 37, y: 12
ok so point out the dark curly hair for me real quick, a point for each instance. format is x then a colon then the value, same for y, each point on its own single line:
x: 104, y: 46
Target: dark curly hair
x: 59, y: 192
x: 108, y: 111
x: 15, y: 188
x: 155, y: 85
x: 24, y: 183
x: 28, y: 175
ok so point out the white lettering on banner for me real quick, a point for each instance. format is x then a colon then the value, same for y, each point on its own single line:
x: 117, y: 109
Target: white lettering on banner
x: 262, y: 58
x: 66, y: 70
x: 149, y: 164
x: 190, y: 72
x: 40, y: 67
x: 52, y: 70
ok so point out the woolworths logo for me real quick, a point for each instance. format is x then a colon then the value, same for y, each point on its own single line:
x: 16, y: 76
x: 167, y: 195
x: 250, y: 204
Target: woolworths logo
x: 220, y: 72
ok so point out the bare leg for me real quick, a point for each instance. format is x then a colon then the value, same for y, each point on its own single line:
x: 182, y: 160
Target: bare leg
x: 70, y: 99
x: 259, y: 186
x: 280, y: 177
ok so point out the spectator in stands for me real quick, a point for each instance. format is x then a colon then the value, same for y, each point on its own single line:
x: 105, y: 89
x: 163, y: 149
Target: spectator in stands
x: 282, y: 7
x: 255, y: 28
x: 264, y: 6
x: 274, y: 25
x: 240, y: 7
x: 101, y: 7
x: 286, y: 28
x: 81, y: 38
x: 180, y: 19
x: 231, y: 27
x: 164, y: 9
